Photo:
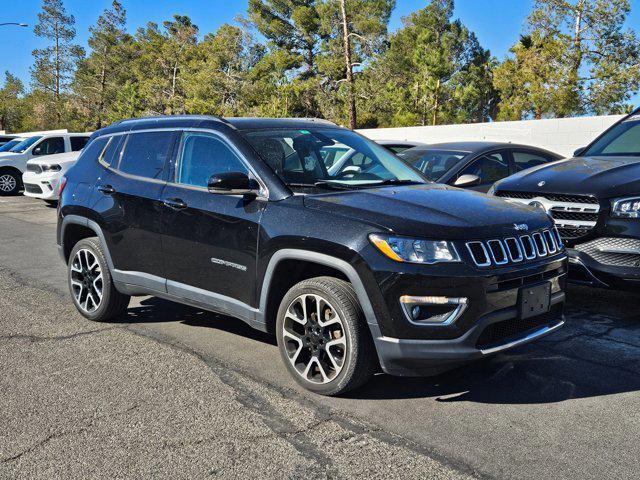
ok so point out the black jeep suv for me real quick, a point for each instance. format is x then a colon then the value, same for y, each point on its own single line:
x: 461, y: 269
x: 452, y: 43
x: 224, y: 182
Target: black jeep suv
x: 594, y: 199
x: 369, y: 267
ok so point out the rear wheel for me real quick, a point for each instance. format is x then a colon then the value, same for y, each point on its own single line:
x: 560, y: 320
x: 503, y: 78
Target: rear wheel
x: 323, y: 338
x: 91, y: 285
x: 10, y: 182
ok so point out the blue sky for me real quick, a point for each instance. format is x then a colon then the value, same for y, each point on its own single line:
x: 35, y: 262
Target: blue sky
x: 497, y: 23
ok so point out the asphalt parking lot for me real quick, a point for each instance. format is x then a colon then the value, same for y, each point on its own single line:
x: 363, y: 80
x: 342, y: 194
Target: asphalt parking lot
x: 170, y: 391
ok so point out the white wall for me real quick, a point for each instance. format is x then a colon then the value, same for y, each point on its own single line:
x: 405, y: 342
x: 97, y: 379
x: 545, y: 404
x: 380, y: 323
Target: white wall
x: 562, y: 135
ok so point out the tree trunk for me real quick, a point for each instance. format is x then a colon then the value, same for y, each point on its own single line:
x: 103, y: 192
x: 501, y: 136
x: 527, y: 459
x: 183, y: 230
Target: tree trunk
x: 57, y: 75
x: 577, y: 39
x: 347, y: 59
x: 436, y: 103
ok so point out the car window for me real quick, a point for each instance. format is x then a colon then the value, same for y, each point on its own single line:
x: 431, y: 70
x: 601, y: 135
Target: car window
x: 203, y: 155
x: 49, y: 146
x: 623, y: 140
x: 145, y: 154
x: 523, y: 160
x: 490, y: 168
x: 433, y: 163
x: 9, y: 145
x: 25, y: 144
x: 95, y: 148
x: 78, y: 143
x: 111, y: 153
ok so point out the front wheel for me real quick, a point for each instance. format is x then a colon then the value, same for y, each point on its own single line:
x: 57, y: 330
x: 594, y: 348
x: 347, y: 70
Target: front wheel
x: 91, y: 285
x: 10, y: 183
x: 323, y: 338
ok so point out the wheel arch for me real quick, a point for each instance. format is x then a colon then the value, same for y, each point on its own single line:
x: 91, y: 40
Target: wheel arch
x: 74, y: 228
x: 322, y: 264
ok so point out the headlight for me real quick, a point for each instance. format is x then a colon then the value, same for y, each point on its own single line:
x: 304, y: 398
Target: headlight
x: 491, y: 192
x: 626, y: 207
x: 402, y: 249
x: 51, y: 168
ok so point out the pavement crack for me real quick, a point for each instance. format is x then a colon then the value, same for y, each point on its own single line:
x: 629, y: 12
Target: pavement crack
x: 38, y: 339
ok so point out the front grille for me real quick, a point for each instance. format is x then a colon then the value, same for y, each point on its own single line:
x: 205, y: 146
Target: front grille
x: 617, y: 252
x: 574, y: 215
x: 497, y: 252
x: 34, y: 168
x: 502, y: 332
x: 31, y: 188
x: 590, y: 199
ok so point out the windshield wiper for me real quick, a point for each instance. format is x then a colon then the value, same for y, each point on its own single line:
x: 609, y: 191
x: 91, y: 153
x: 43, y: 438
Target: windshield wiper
x: 320, y: 184
x: 393, y: 181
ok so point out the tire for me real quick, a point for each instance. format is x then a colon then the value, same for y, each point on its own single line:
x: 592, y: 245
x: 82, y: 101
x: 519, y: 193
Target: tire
x: 86, y: 263
x: 329, y: 357
x: 10, y: 182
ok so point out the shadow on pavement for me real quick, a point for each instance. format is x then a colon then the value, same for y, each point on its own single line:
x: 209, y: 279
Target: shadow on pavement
x: 595, y: 354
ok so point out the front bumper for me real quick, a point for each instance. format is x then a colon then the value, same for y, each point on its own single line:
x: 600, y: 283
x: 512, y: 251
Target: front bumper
x: 585, y: 270
x: 42, y: 185
x: 406, y: 357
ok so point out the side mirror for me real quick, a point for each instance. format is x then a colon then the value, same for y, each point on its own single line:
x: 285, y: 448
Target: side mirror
x: 37, y: 151
x: 466, y: 181
x: 579, y: 152
x: 232, y: 183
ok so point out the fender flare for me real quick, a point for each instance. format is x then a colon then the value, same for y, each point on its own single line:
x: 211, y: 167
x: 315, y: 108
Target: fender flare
x: 329, y: 261
x: 85, y: 222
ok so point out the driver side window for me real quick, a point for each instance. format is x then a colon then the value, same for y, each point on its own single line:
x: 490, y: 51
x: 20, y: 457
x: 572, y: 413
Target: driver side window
x: 490, y: 168
x: 50, y: 146
x: 203, y: 155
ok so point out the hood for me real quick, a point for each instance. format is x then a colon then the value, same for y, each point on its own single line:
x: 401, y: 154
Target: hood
x: 60, y: 158
x: 431, y: 211
x: 9, y: 155
x: 604, y: 177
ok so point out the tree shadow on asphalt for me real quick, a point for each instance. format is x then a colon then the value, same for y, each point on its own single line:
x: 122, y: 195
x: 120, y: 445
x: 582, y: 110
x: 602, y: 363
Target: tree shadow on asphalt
x: 593, y: 355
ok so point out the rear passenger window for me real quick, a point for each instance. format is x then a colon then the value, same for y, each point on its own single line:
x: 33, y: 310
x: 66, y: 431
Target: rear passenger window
x: 145, y: 154
x: 203, y: 155
x: 111, y: 154
x: 50, y: 146
x: 78, y: 143
x: 524, y: 160
x: 95, y: 148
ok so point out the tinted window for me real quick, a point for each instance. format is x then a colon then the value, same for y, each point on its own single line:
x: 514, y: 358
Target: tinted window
x: 490, y: 168
x: 433, y: 163
x: 78, y: 143
x: 145, y: 154
x: 524, y: 160
x: 50, y: 146
x: 95, y: 148
x: 623, y: 139
x: 110, y: 155
x: 9, y: 145
x: 203, y: 155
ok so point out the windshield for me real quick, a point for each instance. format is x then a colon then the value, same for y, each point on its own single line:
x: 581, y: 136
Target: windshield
x: 622, y: 140
x: 9, y: 145
x: 329, y: 158
x: 432, y: 163
x: 23, y: 145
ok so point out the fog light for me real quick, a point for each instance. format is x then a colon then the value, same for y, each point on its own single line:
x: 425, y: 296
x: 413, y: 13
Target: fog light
x: 433, y: 311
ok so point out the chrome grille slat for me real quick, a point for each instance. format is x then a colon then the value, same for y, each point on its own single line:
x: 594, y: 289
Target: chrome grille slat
x: 499, y: 252
x: 574, y: 215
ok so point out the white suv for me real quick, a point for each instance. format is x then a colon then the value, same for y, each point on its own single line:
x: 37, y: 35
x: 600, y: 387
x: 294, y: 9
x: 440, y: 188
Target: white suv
x: 42, y: 178
x: 14, y: 162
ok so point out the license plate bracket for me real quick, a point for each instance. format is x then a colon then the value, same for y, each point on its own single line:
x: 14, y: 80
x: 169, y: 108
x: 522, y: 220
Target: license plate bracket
x: 534, y: 301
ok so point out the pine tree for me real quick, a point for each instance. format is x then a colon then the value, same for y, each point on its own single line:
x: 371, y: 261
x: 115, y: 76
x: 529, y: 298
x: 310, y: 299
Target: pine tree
x: 11, y: 108
x: 54, y: 65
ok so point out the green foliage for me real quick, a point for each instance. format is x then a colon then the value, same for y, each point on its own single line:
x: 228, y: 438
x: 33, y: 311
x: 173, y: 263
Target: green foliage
x: 328, y: 58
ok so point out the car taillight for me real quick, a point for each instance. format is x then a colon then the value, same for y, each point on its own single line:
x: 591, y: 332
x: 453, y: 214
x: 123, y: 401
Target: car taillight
x: 63, y: 183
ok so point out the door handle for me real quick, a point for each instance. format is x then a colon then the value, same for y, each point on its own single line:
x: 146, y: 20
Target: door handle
x: 175, y: 203
x: 106, y: 189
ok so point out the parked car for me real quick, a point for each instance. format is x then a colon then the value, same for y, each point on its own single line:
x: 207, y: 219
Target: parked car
x: 350, y: 271
x: 475, y: 165
x: 339, y: 157
x: 43, y: 175
x: 594, y: 199
x: 14, y: 162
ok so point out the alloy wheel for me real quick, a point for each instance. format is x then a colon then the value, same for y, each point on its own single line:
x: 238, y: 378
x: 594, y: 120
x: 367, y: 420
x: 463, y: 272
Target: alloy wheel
x: 86, y: 280
x: 7, y: 183
x: 314, y: 338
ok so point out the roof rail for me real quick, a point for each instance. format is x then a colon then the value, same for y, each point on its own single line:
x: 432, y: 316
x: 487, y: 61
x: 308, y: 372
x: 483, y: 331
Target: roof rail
x: 167, y: 117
